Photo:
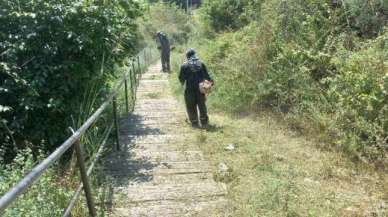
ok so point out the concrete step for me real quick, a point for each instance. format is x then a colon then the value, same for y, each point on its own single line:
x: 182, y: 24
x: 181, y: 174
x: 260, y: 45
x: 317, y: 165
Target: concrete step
x: 130, y: 170
x: 154, y: 81
x: 173, y: 146
x: 145, y: 192
x: 159, y: 156
x: 150, y: 121
x: 154, y: 76
x: 128, y: 127
x: 169, y: 99
x: 159, y: 139
x: 155, y: 130
x: 120, y: 162
x: 170, y: 156
x: 133, y: 117
x: 208, y: 208
x: 164, y: 179
x: 159, y: 108
x: 179, y: 114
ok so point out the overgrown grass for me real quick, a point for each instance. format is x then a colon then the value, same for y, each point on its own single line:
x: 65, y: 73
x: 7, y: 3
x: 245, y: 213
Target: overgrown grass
x: 168, y: 18
x: 323, y: 77
x: 57, y: 185
x: 269, y: 90
x: 51, y: 190
x: 275, y: 172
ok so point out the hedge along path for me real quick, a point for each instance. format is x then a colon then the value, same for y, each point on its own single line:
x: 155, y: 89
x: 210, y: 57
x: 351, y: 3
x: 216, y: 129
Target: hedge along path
x: 158, y: 172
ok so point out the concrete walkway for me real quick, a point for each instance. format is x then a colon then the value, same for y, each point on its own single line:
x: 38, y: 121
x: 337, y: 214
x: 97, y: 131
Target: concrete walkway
x: 157, y: 173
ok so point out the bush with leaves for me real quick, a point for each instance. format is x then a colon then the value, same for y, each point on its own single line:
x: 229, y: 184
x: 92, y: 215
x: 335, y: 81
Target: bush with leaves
x: 167, y: 18
x: 359, y: 94
x: 324, y: 67
x: 223, y: 15
x: 367, y: 18
x: 51, y: 52
x: 46, y: 198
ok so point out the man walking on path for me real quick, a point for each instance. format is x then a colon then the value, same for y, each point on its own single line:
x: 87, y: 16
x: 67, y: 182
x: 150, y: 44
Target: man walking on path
x: 192, y: 73
x: 165, y: 51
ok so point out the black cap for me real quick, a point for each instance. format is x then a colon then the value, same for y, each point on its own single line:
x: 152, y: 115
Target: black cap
x: 190, y: 52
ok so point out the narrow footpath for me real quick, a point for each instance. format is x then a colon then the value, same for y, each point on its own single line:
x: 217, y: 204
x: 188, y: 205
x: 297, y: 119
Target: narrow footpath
x: 158, y: 172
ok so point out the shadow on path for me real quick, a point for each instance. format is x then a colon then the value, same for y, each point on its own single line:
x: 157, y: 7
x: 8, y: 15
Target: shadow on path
x: 123, y: 168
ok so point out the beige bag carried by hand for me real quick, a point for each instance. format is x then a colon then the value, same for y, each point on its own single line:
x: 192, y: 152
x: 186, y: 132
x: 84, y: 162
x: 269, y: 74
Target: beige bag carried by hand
x: 205, y: 87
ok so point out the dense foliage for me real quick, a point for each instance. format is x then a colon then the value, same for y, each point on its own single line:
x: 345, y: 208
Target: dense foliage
x: 47, y: 190
x: 51, y: 54
x: 167, y: 18
x: 180, y: 3
x: 322, y: 65
x: 230, y: 14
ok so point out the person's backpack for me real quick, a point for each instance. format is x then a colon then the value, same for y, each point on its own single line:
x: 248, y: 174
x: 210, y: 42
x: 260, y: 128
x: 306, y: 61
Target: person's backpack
x: 205, y: 86
x: 195, y: 65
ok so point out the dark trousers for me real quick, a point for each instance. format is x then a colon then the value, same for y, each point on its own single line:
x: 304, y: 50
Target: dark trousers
x: 165, y: 61
x: 195, y: 101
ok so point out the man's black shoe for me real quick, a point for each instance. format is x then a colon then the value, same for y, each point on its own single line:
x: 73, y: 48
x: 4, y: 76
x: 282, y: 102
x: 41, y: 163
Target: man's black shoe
x: 196, y: 126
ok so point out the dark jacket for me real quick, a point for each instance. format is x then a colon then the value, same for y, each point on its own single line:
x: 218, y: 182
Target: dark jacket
x: 164, y: 42
x: 192, y: 73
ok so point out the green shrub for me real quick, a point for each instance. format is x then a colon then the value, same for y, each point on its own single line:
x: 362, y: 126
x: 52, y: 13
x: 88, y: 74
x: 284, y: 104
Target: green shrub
x: 167, y: 18
x: 367, y: 18
x: 230, y: 14
x: 322, y: 67
x: 359, y: 94
x: 47, y: 198
x: 51, y: 54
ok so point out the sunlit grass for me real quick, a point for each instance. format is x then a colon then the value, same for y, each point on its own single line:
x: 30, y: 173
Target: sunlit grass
x: 274, y: 172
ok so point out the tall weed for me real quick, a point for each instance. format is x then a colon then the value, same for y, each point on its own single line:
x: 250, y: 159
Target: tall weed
x: 308, y: 61
x: 48, y: 197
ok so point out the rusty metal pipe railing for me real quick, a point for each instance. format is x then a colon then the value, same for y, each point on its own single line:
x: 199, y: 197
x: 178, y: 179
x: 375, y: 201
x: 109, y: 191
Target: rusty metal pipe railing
x: 134, y: 85
x: 73, y: 201
x: 139, y: 71
x: 116, y: 124
x: 132, y: 89
x: 126, y: 95
x: 85, y: 179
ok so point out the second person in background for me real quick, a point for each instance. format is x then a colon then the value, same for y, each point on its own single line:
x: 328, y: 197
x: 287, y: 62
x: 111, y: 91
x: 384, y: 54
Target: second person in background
x: 164, y: 45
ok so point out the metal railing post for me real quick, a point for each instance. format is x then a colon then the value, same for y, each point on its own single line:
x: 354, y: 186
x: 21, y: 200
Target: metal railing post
x: 116, y: 123
x: 85, y: 179
x: 134, y: 71
x: 146, y: 56
x: 126, y: 93
x: 132, y: 90
x: 139, y: 67
x: 150, y: 55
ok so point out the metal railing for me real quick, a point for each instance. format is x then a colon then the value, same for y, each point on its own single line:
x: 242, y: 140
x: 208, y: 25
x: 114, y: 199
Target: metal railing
x: 133, y: 74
